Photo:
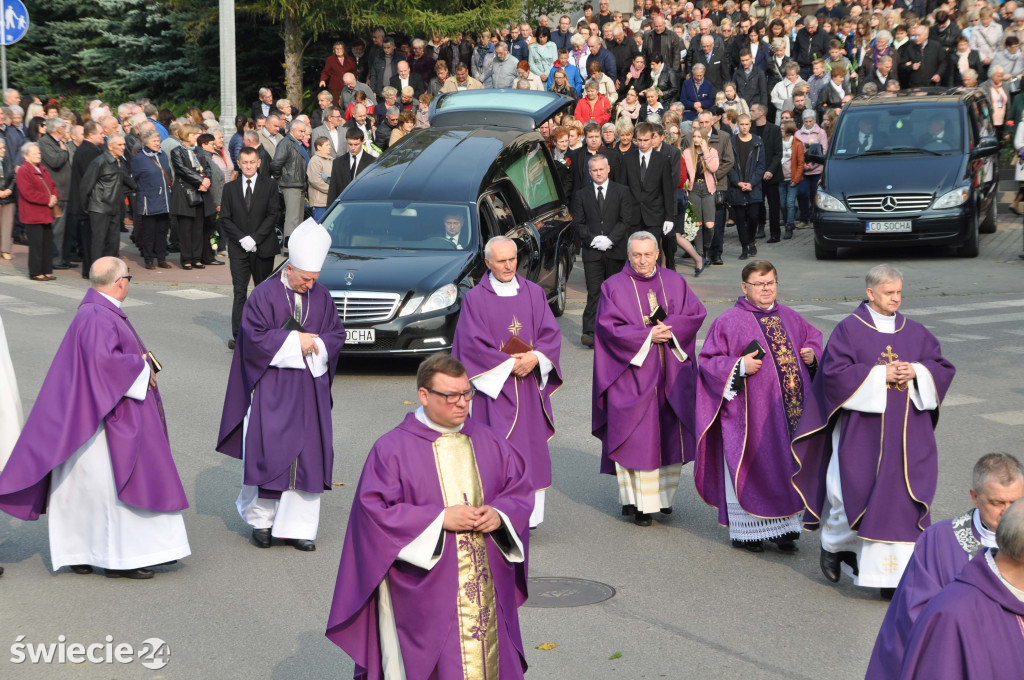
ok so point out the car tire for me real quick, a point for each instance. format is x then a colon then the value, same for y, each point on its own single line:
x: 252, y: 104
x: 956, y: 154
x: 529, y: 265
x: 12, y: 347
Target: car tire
x: 823, y: 253
x: 557, y: 304
x: 970, y: 246
x: 991, y: 218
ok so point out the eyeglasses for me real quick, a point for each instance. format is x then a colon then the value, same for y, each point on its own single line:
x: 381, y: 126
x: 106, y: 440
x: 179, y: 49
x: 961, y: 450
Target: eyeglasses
x: 454, y: 397
x: 126, y: 277
x: 762, y: 285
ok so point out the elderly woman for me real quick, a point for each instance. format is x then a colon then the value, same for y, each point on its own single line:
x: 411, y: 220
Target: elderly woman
x: 810, y: 134
x: 335, y: 68
x: 406, y: 123
x: 37, y: 195
x: 212, y: 198
x: 605, y: 85
x: 579, y: 53
x: 531, y: 79
x: 191, y: 181
x: 594, y: 106
x: 999, y: 98
x: 608, y: 135
x: 7, y: 199
x: 318, y: 176
x: 152, y: 172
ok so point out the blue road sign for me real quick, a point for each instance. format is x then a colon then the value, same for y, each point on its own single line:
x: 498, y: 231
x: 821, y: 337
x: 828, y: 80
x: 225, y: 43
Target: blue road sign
x: 14, y: 20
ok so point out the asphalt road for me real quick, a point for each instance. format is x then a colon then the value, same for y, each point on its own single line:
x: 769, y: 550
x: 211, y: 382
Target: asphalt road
x: 687, y: 605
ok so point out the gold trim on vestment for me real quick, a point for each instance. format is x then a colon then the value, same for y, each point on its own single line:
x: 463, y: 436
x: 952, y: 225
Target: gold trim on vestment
x: 906, y: 475
x: 460, y: 482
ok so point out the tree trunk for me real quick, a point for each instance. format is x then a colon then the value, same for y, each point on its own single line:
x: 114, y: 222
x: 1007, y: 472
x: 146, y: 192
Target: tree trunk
x: 293, y: 49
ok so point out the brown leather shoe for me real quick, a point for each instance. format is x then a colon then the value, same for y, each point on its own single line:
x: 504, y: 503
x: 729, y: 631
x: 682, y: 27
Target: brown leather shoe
x: 164, y: 264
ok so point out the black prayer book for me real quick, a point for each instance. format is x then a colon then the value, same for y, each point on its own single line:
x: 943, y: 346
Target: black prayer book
x: 292, y: 325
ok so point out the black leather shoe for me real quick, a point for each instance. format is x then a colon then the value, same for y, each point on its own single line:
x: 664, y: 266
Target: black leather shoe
x: 773, y: 239
x: 753, y: 249
x: 666, y: 511
x: 628, y: 510
x: 81, y: 568
x: 830, y: 565
x: 214, y: 263
x: 717, y: 260
x: 587, y: 340
x: 787, y: 543
x: 198, y: 265
x: 760, y: 233
x: 745, y: 255
x: 303, y: 544
x: 887, y: 593
x: 61, y: 266
x: 231, y: 344
x: 749, y: 546
x: 788, y: 234
x: 261, y: 537
x: 642, y: 519
x: 129, y: 573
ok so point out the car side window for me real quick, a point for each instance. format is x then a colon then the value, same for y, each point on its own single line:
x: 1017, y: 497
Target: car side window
x: 985, y: 119
x: 972, y: 116
x: 503, y: 216
x: 532, y: 177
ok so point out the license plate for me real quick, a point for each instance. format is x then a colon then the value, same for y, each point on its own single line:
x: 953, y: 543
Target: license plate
x: 888, y: 227
x: 360, y: 336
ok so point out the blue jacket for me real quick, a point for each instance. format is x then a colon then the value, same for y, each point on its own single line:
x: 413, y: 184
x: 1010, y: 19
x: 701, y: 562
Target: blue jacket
x: 561, y: 41
x: 152, y: 191
x: 572, y: 74
x: 519, y: 49
x: 689, y: 94
x: 606, y: 59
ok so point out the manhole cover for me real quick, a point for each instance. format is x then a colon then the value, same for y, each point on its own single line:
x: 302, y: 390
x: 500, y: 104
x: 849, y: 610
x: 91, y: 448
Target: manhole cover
x: 566, y: 592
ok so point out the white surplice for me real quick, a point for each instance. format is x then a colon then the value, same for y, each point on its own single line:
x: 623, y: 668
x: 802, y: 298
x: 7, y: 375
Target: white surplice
x: 89, y: 524
x: 11, y: 415
x: 879, y: 564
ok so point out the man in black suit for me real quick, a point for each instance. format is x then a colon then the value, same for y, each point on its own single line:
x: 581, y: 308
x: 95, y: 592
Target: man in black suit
x: 248, y: 213
x: 263, y: 106
x: 602, y: 214
x: 579, y: 158
x: 251, y: 140
x: 880, y: 76
x: 348, y: 166
x: 404, y: 77
x: 383, y: 67
x: 924, y: 60
x: 649, y: 178
x: 771, y: 135
x: 89, y: 149
x: 675, y: 164
x: 715, y: 62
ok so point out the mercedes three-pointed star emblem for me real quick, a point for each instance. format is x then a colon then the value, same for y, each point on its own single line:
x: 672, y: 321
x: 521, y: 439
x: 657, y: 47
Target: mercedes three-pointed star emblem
x: 349, y: 278
x: 888, y: 204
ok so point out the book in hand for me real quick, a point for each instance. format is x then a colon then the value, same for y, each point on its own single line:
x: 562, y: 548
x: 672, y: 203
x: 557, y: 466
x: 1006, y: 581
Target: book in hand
x: 292, y: 325
x: 155, y: 365
x: 754, y: 346
x: 514, y: 345
x: 657, y: 316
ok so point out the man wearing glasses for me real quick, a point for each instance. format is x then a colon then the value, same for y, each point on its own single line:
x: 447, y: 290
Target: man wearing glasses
x: 755, y: 372
x: 103, y: 471
x: 432, y: 572
x: 332, y: 129
x: 509, y: 340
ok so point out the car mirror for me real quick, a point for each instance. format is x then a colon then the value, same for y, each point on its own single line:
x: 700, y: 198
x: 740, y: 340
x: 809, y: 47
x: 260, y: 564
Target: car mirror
x: 987, y: 146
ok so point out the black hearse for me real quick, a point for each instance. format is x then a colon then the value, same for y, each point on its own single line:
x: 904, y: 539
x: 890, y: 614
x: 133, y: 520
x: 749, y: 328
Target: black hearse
x: 480, y: 170
x: 928, y: 176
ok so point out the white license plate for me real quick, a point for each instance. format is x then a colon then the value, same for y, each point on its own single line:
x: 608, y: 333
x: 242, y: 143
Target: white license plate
x: 360, y: 336
x: 888, y: 227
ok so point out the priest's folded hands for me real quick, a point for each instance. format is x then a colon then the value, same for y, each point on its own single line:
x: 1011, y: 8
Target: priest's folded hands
x: 900, y: 372
x: 484, y: 519
x: 308, y: 343
x: 661, y: 333
x: 525, y: 363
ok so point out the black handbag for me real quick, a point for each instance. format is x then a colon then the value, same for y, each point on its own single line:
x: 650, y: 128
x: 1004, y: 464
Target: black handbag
x: 192, y: 195
x: 719, y: 199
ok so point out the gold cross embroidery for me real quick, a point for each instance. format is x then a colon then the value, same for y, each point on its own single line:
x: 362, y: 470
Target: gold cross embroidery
x: 889, y: 354
x: 890, y: 564
x: 515, y: 326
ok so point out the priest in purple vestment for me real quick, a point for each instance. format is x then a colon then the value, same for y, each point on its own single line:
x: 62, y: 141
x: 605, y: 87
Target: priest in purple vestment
x: 749, y: 403
x: 974, y: 628
x: 277, y: 410
x: 509, y: 341
x: 645, y: 379
x: 11, y: 415
x: 881, y: 380
x: 432, y: 571
x: 943, y: 550
x: 101, y: 466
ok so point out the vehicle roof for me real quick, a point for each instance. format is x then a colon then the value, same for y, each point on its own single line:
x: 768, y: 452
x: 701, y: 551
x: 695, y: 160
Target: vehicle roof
x: 435, y: 164
x: 920, y: 95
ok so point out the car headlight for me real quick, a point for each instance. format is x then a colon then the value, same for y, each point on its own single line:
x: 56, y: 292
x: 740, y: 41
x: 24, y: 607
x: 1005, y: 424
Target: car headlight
x: 829, y: 203
x: 951, y: 199
x: 442, y: 298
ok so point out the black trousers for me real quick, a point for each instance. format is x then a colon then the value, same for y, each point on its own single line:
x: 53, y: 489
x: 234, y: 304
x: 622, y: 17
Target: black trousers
x: 152, y: 232
x: 718, y: 240
x: 596, y: 273
x: 40, y: 249
x: 209, y: 227
x: 746, y: 223
x: 243, y: 266
x: 771, y: 195
x: 105, y: 235
x: 85, y: 238
x: 190, y: 236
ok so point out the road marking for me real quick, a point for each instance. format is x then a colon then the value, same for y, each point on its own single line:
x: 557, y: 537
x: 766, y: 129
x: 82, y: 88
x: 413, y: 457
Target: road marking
x: 59, y: 290
x: 979, y: 320
x: 1011, y: 349
x: 974, y: 306
x: 833, y: 317
x: 960, y: 400
x: 961, y: 337
x: 192, y: 294
x: 28, y: 308
x: 1006, y: 418
x: 803, y: 309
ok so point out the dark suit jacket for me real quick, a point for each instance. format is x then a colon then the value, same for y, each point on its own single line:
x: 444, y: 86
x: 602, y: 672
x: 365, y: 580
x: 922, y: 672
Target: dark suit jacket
x: 341, y: 174
x: 717, y: 69
x: 752, y: 88
x: 675, y: 161
x: 258, y: 221
x: 828, y: 98
x: 614, y: 222
x: 84, y: 155
x: 771, y: 135
x: 655, y: 196
x: 257, y: 109
x: 873, y: 78
x: 668, y: 83
x: 933, y: 61
x: 415, y: 81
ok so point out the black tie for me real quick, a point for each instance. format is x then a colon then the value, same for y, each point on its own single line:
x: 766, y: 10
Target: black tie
x: 643, y: 167
x: 600, y: 198
x: 248, y: 193
x: 352, y: 167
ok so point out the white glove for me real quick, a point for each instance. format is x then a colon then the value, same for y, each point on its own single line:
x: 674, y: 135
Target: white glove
x: 667, y: 227
x: 248, y: 244
x: 601, y: 243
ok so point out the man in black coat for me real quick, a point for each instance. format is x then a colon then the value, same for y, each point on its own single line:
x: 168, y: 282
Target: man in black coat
x: 383, y: 67
x: 90, y: 148
x: 715, y: 62
x: 248, y: 213
x: 664, y: 41
x: 924, y: 60
x: 751, y: 84
x: 602, y: 214
x: 810, y: 44
x: 579, y: 158
x: 348, y: 166
x: 404, y: 76
x: 771, y: 135
x: 675, y: 160
x: 649, y: 178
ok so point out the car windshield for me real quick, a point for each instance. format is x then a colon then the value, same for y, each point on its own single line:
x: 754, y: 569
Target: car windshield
x: 900, y: 129
x: 401, y: 225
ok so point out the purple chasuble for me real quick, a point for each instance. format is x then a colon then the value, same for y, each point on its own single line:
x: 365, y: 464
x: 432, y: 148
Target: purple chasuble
x: 290, y: 417
x: 943, y: 550
x: 398, y: 497
x: 754, y: 430
x: 97, y: 362
x: 887, y: 489
x: 974, y: 628
x: 522, y: 411
x: 644, y: 415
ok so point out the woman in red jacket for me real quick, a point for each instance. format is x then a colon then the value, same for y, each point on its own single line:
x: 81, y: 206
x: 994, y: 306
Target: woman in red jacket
x: 36, y: 197
x: 338, y: 64
x: 593, y: 107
